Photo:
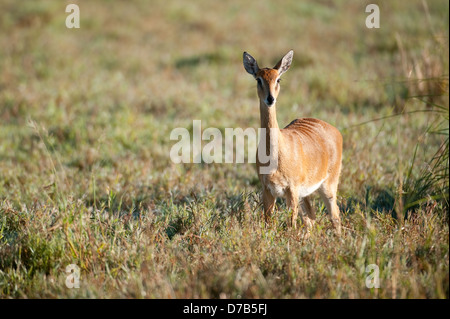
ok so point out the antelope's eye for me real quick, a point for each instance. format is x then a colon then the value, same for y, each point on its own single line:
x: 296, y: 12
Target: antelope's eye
x: 279, y: 80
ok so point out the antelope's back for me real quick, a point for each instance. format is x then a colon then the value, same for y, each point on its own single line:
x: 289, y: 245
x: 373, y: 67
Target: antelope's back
x: 321, y: 143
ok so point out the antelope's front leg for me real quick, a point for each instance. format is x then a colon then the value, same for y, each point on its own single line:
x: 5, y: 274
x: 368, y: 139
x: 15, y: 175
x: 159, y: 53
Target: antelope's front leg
x: 268, y: 203
x: 292, y: 202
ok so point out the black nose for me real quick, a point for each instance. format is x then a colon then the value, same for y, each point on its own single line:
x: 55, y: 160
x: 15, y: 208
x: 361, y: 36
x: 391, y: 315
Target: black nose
x: 270, y: 99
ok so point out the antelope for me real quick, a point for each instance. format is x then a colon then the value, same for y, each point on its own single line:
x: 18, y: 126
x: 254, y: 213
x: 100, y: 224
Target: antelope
x: 308, y: 156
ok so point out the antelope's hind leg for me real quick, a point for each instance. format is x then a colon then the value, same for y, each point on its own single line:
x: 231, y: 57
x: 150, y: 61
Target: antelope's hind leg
x: 328, y: 192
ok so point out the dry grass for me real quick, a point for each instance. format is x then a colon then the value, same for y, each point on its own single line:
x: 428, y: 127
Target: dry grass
x: 85, y: 173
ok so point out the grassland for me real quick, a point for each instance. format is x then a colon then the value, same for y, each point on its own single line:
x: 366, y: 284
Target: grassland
x: 85, y: 173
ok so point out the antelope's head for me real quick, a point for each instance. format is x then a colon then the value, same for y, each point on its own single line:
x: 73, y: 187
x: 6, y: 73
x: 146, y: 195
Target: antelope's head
x: 268, y: 79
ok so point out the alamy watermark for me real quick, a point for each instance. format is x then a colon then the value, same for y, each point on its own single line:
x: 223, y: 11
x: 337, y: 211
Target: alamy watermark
x: 73, y: 19
x: 221, y: 148
x: 73, y: 279
x: 373, y: 19
x: 373, y: 279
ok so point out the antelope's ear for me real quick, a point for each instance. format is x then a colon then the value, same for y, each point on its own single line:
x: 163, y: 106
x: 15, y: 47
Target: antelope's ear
x: 250, y: 64
x: 284, y: 64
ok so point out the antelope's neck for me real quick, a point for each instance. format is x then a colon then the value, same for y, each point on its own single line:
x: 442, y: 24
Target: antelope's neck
x: 272, y: 133
x: 268, y: 117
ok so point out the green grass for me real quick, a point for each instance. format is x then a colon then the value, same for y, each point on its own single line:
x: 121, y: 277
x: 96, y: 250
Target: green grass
x: 86, y: 178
